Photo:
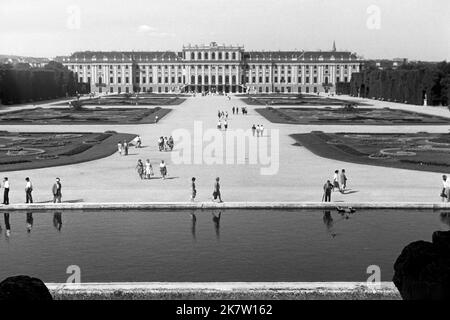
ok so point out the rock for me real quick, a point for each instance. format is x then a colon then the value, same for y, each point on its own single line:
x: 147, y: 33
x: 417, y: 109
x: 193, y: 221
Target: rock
x: 422, y: 271
x: 24, y: 288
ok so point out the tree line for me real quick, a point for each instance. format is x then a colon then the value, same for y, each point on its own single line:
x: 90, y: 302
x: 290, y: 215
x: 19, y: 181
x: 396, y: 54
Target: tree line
x: 21, y: 83
x: 409, y: 83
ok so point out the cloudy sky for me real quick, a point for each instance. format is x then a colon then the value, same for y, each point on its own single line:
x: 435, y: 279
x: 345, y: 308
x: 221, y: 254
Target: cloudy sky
x: 415, y: 29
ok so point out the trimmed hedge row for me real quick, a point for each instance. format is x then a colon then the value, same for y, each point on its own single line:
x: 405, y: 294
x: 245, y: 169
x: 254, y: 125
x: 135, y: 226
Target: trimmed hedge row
x: 410, y: 84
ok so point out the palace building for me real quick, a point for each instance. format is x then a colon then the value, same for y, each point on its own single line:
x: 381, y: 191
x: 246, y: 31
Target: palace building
x: 214, y: 68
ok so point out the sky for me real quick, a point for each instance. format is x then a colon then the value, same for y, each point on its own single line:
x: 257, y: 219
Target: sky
x: 413, y: 29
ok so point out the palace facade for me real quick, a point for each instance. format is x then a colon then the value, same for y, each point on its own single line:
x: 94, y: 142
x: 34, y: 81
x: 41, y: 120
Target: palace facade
x: 213, y: 68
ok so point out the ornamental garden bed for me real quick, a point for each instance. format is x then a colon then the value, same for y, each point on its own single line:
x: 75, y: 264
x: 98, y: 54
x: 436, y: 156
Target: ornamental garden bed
x: 55, y: 116
x: 349, y: 116
x: 18, y: 151
x: 293, y: 99
x: 415, y: 151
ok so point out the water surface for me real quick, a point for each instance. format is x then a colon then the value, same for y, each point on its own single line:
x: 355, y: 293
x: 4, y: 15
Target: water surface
x: 231, y: 245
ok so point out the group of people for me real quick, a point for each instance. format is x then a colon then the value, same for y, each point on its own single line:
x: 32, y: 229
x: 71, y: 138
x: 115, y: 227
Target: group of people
x: 122, y: 147
x: 145, y: 171
x: 339, y: 184
x: 216, y: 190
x: 236, y: 110
x: 56, y: 190
x: 165, y: 144
x: 258, y: 130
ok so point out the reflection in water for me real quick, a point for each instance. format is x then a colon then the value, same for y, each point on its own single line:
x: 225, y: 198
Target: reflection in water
x: 445, y: 217
x: 29, y: 221
x: 216, y: 220
x: 7, y: 224
x: 328, y: 221
x: 57, y: 220
x: 194, y: 223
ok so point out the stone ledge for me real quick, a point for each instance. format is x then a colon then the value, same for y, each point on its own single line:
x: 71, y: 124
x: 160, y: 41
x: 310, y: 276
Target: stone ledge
x: 225, y: 205
x: 225, y: 290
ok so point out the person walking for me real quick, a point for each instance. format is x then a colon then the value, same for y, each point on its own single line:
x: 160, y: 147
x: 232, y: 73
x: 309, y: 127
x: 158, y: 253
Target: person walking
x: 119, y: 147
x: 343, y: 180
x: 140, y: 169
x: 253, y: 130
x: 6, y: 186
x: 125, y: 147
x: 138, y: 142
x: 445, y: 194
x: 148, y: 169
x: 219, y: 125
x: 216, y: 192
x: 261, y: 129
x: 171, y: 143
x: 327, y: 188
x: 225, y: 124
x: 57, y: 194
x: 194, y: 190
x: 161, y: 143
x: 28, y: 190
x: 336, y: 180
x: 233, y: 110
x: 163, y: 169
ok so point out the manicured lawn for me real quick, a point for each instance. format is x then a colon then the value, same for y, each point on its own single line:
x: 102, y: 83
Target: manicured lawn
x: 147, y: 99
x: 20, y: 151
x: 293, y: 100
x: 86, y: 115
x: 346, y: 116
x: 419, y: 151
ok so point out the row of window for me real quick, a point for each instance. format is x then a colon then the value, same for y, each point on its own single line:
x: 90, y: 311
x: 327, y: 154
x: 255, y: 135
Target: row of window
x: 253, y: 67
x: 213, y: 56
x: 286, y: 89
x: 205, y: 80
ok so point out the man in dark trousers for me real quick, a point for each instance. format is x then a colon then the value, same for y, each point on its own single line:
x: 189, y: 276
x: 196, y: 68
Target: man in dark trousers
x: 327, y: 188
x: 57, y: 195
x: 6, y: 191
x: 28, y: 190
x: 216, y: 193
x: 194, y: 190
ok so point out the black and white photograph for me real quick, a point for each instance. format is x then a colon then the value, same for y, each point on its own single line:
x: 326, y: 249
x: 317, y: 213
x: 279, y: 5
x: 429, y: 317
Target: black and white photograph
x: 224, y: 151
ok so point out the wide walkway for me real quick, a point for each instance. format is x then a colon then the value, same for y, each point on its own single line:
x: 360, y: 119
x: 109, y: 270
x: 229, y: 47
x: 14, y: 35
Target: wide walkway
x: 300, y: 177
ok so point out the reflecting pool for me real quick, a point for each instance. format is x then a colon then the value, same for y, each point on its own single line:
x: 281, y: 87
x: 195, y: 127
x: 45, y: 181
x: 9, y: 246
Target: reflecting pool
x: 206, y: 245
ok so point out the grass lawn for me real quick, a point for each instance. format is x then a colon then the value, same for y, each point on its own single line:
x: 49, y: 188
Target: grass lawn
x: 419, y: 151
x: 21, y: 151
x: 349, y: 116
x: 55, y: 116
x: 147, y: 99
x: 293, y: 100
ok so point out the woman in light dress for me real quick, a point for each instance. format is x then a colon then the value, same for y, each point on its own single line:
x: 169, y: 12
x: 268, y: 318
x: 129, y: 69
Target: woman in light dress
x: 148, y: 169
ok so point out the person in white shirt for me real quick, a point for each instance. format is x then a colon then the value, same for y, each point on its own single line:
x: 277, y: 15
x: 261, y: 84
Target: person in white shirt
x: 28, y: 190
x: 336, y: 180
x: 6, y: 191
x: 445, y: 194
